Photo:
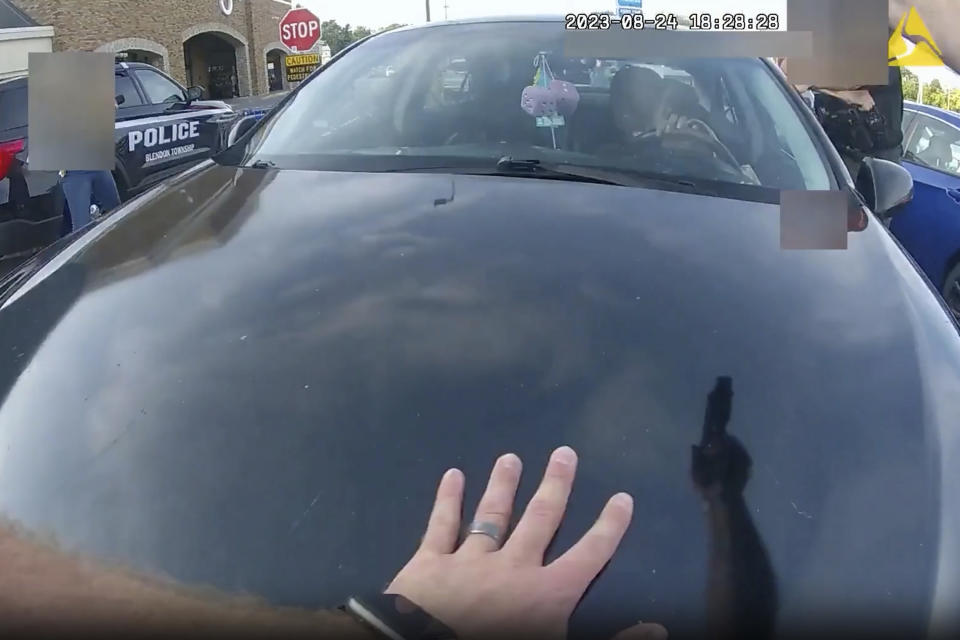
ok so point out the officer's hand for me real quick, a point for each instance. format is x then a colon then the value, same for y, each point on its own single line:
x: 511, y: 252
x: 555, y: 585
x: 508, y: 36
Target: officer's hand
x: 720, y: 468
x: 858, y: 98
x: 480, y: 590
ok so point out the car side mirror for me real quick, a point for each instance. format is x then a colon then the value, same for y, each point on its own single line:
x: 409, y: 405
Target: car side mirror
x: 885, y: 185
x: 120, y: 99
x: 194, y: 93
x: 240, y: 128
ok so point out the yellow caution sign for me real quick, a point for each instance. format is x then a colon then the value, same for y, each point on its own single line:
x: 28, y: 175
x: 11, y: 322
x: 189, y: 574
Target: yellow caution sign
x: 301, y: 65
x: 925, y: 53
x: 302, y: 59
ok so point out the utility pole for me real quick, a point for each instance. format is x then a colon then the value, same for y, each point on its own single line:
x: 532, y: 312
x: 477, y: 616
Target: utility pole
x: 445, y: 7
x: 428, y: 10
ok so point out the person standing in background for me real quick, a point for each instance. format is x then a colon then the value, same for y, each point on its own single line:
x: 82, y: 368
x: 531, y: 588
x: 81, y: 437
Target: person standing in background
x: 83, y: 188
x: 865, y: 122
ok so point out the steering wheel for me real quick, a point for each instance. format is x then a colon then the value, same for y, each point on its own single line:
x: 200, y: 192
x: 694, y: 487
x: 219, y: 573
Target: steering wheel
x: 669, y: 121
x: 698, y: 131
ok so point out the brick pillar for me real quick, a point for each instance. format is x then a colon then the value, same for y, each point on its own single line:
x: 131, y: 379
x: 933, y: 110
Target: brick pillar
x: 258, y: 63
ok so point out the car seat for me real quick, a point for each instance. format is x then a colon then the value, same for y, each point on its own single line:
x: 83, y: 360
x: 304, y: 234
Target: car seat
x: 494, y: 114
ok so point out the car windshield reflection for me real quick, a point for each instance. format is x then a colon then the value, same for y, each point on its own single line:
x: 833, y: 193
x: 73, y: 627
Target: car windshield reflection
x: 457, y: 88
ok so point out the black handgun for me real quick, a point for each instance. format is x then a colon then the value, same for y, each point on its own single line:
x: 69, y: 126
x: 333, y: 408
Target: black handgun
x: 720, y: 463
x: 719, y: 407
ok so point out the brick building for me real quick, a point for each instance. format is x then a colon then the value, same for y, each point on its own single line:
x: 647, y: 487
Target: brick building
x: 229, y: 47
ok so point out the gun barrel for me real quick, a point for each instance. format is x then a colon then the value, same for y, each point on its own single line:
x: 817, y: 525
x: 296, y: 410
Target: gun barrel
x: 719, y: 407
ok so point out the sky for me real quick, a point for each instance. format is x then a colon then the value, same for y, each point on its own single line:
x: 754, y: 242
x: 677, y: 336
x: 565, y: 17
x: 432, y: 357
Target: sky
x: 380, y: 13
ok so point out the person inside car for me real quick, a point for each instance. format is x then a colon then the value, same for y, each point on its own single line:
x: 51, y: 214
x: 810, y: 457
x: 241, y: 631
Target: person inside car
x: 657, y: 116
x: 635, y: 94
x: 680, y: 108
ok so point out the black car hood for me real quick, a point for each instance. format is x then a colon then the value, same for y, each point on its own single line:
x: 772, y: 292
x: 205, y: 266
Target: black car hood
x: 254, y: 379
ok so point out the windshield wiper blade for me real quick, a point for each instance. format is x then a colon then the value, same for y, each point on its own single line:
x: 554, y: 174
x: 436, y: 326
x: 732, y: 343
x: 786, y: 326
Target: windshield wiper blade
x: 604, y: 175
x: 508, y: 166
x: 507, y: 163
x: 535, y: 168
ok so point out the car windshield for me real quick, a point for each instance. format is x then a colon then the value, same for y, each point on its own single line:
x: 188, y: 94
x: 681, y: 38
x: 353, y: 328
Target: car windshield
x: 460, y: 96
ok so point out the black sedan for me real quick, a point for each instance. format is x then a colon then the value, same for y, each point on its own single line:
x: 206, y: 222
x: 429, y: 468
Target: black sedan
x: 252, y: 375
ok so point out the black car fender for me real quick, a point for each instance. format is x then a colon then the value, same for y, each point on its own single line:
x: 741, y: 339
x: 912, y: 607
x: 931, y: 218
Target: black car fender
x: 121, y: 178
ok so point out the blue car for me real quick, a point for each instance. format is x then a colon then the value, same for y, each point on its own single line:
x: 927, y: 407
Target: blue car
x: 929, y: 227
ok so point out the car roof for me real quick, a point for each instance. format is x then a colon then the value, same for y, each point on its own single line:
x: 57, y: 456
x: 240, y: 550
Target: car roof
x: 137, y: 65
x: 22, y: 77
x: 483, y: 19
x: 12, y: 80
x: 12, y: 17
x: 947, y: 116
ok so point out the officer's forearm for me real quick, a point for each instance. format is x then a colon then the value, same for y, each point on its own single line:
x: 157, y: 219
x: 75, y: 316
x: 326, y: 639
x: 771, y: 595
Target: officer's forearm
x: 741, y: 594
x: 45, y: 590
x: 859, y: 98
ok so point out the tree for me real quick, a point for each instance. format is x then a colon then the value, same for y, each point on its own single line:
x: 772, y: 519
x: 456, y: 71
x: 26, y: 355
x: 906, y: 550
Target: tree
x: 335, y: 36
x: 359, y: 33
x: 911, y: 85
x: 391, y: 27
x: 934, y: 95
x: 953, y: 101
x: 339, y: 36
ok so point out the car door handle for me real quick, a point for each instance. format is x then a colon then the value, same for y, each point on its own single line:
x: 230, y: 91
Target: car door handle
x: 954, y: 195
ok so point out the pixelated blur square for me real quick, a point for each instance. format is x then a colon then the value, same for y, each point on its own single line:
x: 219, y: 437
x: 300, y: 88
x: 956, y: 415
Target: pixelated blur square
x: 70, y: 111
x: 620, y: 43
x: 849, y: 42
x: 813, y: 220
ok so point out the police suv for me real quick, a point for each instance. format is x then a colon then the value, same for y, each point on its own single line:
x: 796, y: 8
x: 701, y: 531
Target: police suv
x: 161, y: 129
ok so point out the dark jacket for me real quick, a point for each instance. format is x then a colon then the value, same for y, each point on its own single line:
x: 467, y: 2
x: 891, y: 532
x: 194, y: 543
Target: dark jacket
x: 889, y: 101
x: 857, y: 133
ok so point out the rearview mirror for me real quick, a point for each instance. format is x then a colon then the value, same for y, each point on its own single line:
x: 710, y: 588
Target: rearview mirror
x: 885, y: 185
x: 194, y: 93
x: 241, y: 127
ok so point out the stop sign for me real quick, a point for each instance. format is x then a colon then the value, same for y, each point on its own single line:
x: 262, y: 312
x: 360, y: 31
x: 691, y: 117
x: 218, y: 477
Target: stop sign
x: 299, y: 29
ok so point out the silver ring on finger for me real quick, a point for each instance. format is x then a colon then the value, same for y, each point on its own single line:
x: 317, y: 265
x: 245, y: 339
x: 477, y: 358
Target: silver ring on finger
x: 488, y: 529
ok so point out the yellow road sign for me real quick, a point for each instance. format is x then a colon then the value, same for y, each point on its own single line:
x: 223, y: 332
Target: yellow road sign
x: 302, y: 59
x: 300, y: 65
x: 925, y: 53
